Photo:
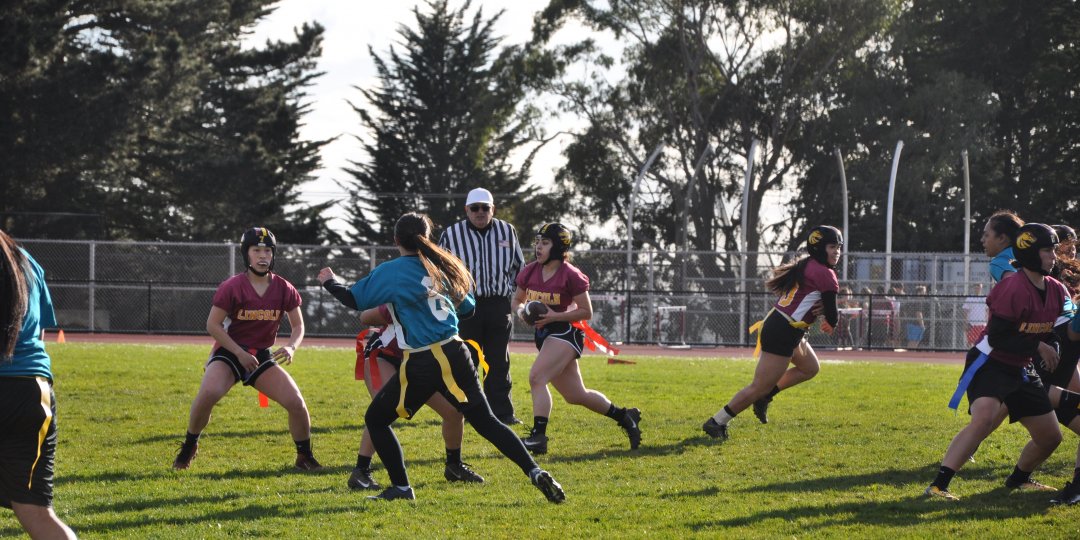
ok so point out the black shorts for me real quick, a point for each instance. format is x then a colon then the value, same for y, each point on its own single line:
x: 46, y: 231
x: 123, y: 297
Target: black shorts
x: 1020, y: 389
x: 27, y: 441
x: 446, y: 369
x: 778, y: 336
x: 221, y: 354
x: 561, y: 331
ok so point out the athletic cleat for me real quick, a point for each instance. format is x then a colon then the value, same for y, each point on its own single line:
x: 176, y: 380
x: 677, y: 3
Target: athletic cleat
x: 547, y: 485
x: 1030, y: 485
x: 630, y: 422
x: 761, y: 410
x: 186, y: 456
x: 460, y: 472
x: 715, y: 430
x: 307, y: 463
x: 537, y: 444
x: 361, y: 479
x: 935, y: 492
x: 509, y: 420
x: 1069, y: 495
x: 393, y: 492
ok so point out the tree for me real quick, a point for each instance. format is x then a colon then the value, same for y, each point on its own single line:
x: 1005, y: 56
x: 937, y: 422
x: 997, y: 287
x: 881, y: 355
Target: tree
x: 699, y: 73
x: 150, y: 115
x: 448, y: 115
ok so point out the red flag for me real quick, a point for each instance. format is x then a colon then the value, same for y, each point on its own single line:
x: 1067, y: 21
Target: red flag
x: 593, y: 340
x: 360, y: 353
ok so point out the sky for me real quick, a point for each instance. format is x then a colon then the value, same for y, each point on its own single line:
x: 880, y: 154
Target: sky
x: 351, y: 27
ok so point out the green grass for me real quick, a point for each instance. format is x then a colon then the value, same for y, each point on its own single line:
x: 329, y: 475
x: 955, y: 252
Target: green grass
x: 845, y: 455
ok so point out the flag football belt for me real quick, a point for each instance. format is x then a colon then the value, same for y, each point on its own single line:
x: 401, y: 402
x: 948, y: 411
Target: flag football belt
x: 965, y: 380
x: 756, y: 327
x: 444, y: 366
x: 593, y: 340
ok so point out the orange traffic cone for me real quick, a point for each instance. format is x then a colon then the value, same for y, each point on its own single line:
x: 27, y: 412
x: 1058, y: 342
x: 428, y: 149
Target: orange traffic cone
x: 60, y: 337
x: 263, y: 400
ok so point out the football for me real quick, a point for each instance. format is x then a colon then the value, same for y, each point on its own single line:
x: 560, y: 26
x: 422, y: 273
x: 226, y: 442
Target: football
x: 533, y: 310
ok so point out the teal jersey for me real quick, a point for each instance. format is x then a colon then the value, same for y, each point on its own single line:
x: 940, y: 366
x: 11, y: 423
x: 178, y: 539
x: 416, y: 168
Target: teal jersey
x: 30, y: 358
x: 1002, y: 263
x: 421, y: 317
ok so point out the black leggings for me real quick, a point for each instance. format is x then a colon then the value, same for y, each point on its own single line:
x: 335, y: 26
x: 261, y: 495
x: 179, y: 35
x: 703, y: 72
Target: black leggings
x: 421, y: 375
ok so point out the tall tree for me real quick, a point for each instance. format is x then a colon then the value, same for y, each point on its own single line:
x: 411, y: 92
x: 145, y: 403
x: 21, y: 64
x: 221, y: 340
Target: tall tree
x: 150, y: 115
x: 700, y: 73
x: 448, y: 115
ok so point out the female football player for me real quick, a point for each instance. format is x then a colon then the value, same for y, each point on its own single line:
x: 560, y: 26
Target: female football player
x: 781, y: 336
x: 425, y: 289
x: 1023, y: 310
x: 381, y: 359
x: 27, y: 401
x: 559, y: 285
x: 997, y: 239
x: 244, y: 321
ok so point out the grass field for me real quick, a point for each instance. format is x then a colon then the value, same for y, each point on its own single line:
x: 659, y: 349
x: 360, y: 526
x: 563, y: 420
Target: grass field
x: 845, y: 455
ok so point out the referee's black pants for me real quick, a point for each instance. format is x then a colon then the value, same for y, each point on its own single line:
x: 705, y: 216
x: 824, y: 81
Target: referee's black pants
x: 490, y: 328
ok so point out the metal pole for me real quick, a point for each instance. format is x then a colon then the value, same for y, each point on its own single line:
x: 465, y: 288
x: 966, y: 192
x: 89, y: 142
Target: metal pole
x: 630, y: 211
x: 689, y: 190
x: 93, y: 288
x: 844, y: 198
x: 745, y: 227
x: 967, y: 221
x: 889, y: 212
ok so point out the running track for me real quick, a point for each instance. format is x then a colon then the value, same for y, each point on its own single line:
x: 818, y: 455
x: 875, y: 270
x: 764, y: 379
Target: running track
x: 525, y: 347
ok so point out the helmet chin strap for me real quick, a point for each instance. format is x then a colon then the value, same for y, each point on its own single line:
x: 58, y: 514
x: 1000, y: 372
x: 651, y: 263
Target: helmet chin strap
x: 258, y: 273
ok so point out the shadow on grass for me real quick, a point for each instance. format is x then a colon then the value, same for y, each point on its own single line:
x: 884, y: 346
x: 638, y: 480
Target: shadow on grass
x: 646, y: 449
x: 915, y: 509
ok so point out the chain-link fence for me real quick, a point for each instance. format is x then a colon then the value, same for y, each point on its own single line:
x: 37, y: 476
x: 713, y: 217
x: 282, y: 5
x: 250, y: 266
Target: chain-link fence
x: 685, y: 298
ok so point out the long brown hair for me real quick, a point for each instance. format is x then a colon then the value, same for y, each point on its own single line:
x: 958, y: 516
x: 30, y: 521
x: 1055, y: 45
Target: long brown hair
x: 448, y: 274
x: 14, y: 293
x: 786, y: 276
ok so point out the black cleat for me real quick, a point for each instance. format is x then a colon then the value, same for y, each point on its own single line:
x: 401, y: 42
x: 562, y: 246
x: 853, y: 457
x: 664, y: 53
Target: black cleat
x: 186, y: 456
x: 537, y: 444
x: 630, y: 422
x: 547, y: 485
x: 1069, y: 495
x: 460, y: 472
x: 715, y: 430
x: 761, y: 410
x: 361, y: 479
x: 509, y: 419
x: 307, y: 463
x: 1030, y: 484
x: 392, y: 493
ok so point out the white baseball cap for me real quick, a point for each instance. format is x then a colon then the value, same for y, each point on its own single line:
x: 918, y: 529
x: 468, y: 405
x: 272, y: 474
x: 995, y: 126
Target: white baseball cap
x: 480, y: 195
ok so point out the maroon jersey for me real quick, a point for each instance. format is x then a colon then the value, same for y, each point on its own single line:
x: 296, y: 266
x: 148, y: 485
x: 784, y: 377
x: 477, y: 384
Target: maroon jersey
x: 1016, y: 300
x: 253, y: 320
x: 798, y: 302
x: 556, y: 293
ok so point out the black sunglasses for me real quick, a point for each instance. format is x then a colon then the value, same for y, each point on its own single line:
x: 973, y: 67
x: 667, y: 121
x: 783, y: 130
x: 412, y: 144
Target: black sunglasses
x: 480, y: 208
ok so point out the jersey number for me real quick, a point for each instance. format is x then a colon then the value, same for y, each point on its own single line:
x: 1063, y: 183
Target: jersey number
x: 787, y: 298
x: 436, y: 303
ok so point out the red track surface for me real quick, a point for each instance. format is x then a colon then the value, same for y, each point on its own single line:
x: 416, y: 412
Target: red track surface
x: 527, y: 347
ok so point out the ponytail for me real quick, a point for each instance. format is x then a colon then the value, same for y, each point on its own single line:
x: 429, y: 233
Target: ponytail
x: 448, y: 274
x: 14, y: 294
x: 786, y: 276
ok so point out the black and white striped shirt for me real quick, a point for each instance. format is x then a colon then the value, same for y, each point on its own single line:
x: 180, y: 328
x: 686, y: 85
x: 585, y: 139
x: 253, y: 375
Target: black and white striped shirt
x: 493, y: 256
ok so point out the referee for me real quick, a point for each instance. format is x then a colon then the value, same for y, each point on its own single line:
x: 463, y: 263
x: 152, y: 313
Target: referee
x: 490, y: 249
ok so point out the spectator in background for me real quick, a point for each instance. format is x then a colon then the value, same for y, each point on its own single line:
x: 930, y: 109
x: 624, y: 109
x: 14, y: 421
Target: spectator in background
x: 849, y: 311
x: 913, y: 313
x: 490, y: 250
x: 28, y: 410
x: 975, y: 313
